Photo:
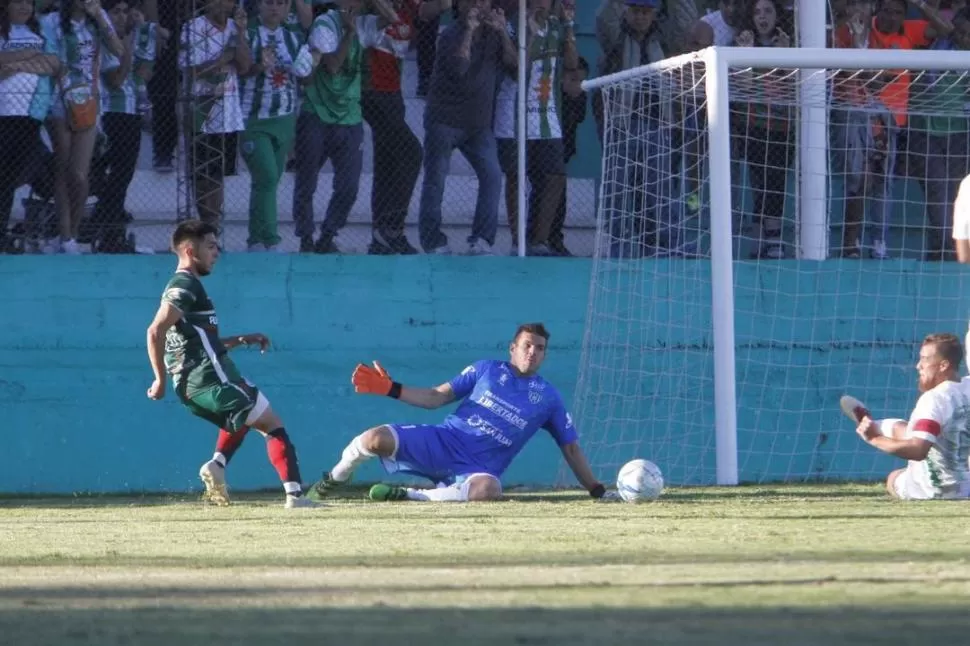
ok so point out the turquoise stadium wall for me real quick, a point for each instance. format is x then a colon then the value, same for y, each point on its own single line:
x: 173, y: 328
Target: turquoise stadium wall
x: 73, y: 368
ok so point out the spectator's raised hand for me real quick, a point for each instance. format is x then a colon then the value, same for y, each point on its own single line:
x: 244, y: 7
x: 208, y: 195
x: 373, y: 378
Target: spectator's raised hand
x: 92, y: 7
x: 496, y: 19
x: 268, y: 58
x: 745, y: 39
x: 781, y: 39
x: 857, y: 28
x: 135, y: 19
x: 473, y: 19
x: 567, y: 11
x: 348, y: 18
x: 241, y: 18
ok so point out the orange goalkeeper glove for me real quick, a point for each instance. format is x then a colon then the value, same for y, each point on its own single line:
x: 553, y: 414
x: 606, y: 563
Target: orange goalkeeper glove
x: 374, y: 381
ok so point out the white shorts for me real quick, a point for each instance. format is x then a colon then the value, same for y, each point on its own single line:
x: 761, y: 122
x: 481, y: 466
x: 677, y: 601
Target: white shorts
x: 907, y: 487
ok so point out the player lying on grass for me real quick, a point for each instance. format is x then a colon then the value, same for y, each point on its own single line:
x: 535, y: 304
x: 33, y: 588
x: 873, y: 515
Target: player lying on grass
x: 184, y: 339
x: 936, y: 440
x: 503, y: 404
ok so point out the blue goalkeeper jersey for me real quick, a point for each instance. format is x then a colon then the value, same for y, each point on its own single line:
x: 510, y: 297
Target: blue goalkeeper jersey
x: 500, y: 412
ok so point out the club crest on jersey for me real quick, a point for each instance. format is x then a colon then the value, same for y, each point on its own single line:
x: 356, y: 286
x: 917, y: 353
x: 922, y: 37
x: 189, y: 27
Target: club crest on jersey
x: 503, y: 379
x: 535, y: 397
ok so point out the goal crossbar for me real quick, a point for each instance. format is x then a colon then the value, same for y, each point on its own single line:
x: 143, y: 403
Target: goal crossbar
x: 805, y: 58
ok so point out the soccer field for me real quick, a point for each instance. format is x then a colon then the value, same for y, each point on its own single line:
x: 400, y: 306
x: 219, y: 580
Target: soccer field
x: 787, y: 565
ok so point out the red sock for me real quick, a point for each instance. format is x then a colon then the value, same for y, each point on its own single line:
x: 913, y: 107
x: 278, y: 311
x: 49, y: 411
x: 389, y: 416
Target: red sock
x: 282, y: 454
x: 228, y: 443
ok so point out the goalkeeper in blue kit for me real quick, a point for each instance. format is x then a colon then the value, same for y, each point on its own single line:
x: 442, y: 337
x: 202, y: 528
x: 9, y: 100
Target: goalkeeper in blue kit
x: 503, y: 404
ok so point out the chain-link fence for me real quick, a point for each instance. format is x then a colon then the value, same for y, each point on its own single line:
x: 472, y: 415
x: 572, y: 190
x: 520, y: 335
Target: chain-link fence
x: 227, y: 115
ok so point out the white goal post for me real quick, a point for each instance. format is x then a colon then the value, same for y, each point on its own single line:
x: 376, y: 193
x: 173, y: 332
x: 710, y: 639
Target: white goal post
x: 600, y: 402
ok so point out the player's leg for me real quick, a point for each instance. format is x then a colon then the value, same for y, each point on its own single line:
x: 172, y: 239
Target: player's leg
x: 238, y: 406
x: 279, y: 448
x: 213, y: 472
x: 475, y: 487
x: 903, y: 484
x: 377, y: 442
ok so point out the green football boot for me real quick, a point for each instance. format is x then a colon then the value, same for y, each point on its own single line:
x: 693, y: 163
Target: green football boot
x: 325, y: 486
x: 387, y: 493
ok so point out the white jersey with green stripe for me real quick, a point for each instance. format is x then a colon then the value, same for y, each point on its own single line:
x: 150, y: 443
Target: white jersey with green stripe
x: 77, y: 48
x: 124, y: 99
x: 193, y: 351
x: 543, y: 87
x: 215, y: 96
x: 273, y: 92
x: 942, y: 417
x: 22, y: 94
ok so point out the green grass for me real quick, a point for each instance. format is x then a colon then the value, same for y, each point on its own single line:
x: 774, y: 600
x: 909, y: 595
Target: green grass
x: 792, y: 566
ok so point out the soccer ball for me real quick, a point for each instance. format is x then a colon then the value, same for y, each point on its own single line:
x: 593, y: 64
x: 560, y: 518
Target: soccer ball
x: 639, y: 480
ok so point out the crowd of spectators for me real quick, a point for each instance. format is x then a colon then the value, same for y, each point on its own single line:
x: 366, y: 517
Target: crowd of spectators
x: 289, y: 85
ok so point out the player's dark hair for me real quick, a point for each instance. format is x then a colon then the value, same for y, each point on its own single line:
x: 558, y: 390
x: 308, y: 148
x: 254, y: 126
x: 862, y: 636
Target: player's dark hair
x: 531, y: 328
x: 192, y: 230
x: 948, y: 346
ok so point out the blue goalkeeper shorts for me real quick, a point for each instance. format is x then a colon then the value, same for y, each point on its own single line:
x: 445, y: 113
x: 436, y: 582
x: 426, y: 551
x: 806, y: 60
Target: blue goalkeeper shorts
x: 431, y: 451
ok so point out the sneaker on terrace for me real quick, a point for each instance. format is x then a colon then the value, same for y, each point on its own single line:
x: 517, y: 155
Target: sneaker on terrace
x: 213, y: 476
x: 385, y: 493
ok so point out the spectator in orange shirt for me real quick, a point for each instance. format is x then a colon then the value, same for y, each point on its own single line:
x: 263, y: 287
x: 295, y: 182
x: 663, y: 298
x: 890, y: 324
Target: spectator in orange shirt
x: 873, y: 109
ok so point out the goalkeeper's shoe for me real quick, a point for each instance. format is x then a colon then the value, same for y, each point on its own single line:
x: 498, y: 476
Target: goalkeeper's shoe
x: 387, y: 493
x: 853, y: 408
x: 325, y: 486
x: 213, y: 476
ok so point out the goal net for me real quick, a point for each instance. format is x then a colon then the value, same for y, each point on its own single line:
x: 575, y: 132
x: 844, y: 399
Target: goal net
x: 768, y: 230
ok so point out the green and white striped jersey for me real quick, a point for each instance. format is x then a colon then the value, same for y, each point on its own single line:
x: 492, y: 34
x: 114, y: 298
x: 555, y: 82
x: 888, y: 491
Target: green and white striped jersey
x: 124, y: 99
x: 543, y: 83
x: 23, y: 94
x: 77, y: 49
x: 215, y: 96
x: 273, y: 92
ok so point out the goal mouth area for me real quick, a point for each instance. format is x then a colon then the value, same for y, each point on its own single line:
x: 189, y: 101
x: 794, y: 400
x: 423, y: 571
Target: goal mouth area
x: 729, y: 367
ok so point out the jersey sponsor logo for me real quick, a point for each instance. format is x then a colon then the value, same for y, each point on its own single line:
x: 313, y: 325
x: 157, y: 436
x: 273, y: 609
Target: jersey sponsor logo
x: 488, y: 401
x: 476, y: 422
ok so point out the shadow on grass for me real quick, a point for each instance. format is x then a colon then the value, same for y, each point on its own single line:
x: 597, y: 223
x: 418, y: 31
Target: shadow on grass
x: 40, y: 624
x: 464, y: 560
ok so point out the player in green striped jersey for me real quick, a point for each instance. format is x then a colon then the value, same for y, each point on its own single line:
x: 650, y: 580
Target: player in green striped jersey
x: 183, y: 340
x: 122, y: 79
x: 269, y: 99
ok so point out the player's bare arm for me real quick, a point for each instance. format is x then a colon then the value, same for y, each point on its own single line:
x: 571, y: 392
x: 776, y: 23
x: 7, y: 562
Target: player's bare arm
x: 376, y: 381
x: 166, y: 316
x: 913, y: 448
x: 963, y: 251
x: 577, y: 461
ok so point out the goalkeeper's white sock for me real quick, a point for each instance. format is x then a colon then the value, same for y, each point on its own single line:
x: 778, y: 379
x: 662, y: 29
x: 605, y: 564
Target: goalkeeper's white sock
x: 353, y: 456
x: 453, y: 493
